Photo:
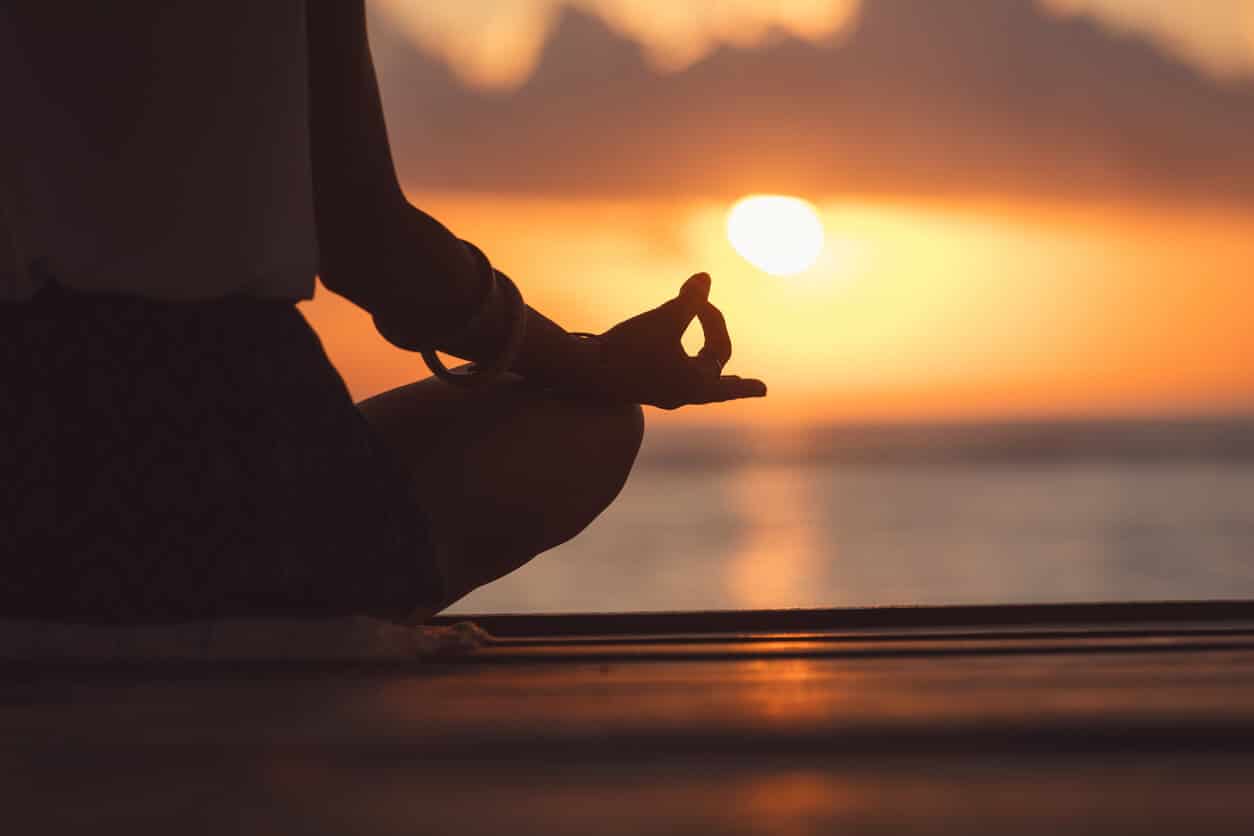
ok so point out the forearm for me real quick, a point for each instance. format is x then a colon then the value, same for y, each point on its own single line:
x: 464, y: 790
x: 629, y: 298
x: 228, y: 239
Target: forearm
x: 419, y: 282
x: 548, y: 354
x: 426, y: 289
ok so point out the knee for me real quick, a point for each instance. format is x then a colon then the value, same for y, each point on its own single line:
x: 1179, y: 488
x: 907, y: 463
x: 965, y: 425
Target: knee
x: 626, y: 429
x: 628, y: 434
x: 618, y: 434
x: 598, y: 445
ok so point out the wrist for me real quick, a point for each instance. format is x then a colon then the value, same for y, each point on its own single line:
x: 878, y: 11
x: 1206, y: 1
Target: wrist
x: 575, y: 362
x: 591, y: 357
x: 505, y: 356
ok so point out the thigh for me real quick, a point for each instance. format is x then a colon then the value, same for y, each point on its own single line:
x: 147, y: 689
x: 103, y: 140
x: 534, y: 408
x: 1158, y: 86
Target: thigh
x: 504, y: 471
x: 192, y: 460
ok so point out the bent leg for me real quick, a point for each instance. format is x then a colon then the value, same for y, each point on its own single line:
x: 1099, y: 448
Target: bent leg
x: 504, y: 471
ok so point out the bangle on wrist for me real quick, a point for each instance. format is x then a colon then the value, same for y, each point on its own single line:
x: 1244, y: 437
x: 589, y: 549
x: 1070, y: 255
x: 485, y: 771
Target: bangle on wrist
x: 479, y: 373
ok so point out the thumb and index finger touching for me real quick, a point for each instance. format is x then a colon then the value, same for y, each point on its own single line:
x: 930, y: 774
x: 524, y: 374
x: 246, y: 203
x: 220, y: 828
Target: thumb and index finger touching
x: 718, y: 348
x: 693, y: 302
x: 694, y: 297
x: 680, y: 311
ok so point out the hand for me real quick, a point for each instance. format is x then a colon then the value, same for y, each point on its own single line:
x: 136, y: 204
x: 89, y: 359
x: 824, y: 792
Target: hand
x: 644, y: 361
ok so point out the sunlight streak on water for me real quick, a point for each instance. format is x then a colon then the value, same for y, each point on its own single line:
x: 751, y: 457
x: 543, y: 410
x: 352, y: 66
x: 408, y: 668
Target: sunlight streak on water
x: 776, y: 559
x: 749, y: 525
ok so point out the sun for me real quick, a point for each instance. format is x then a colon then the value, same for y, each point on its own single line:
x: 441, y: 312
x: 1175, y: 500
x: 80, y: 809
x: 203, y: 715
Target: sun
x: 778, y: 234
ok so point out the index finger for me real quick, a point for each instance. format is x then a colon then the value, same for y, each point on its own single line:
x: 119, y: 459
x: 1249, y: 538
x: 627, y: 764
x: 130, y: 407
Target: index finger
x: 718, y: 347
x: 732, y: 388
x: 677, y: 314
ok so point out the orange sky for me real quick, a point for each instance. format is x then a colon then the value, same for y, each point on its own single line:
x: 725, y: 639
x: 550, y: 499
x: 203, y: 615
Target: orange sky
x: 1027, y: 213
x: 913, y: 311
x: 496, y: 42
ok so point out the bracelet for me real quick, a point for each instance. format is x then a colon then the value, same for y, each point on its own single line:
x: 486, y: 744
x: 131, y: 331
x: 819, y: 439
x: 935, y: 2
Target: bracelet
x: 478, y: 374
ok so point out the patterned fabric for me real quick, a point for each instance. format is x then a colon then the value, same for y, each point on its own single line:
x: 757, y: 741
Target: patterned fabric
x: 167, y: 461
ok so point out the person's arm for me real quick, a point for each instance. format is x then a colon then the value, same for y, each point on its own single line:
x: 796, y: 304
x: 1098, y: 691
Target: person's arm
x: 424, y: 286
x: 419, y: 281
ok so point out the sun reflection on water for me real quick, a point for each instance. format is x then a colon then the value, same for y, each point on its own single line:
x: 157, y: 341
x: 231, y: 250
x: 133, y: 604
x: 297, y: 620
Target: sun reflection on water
x: 776, y: 560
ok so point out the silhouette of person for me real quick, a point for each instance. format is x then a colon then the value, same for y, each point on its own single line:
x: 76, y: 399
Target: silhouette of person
x: 174, y: 442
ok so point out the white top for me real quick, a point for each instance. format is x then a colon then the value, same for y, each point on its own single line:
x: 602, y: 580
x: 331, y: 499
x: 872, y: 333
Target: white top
x: 156, y: 147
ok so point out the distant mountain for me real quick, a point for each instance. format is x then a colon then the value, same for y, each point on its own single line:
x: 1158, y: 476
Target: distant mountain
x: 935, y: 97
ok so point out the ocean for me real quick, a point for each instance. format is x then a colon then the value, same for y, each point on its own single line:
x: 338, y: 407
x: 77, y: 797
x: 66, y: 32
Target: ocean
x: 858, y: 516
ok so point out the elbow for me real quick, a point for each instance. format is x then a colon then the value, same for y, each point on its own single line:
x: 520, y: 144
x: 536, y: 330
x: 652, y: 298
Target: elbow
x: 342, y: 279
x: 351, y: 252
x: 402, y: 266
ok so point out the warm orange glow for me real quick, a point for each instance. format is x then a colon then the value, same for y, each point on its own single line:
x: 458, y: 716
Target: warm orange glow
x: 775, y: 233
x: 912, y: 311
x: 495, y: 44
x: 775, y: 561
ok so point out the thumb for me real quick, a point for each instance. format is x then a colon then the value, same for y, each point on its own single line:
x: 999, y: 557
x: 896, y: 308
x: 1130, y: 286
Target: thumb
x: 674, y: 316
x: 696, y: 292
x: 694, y: 296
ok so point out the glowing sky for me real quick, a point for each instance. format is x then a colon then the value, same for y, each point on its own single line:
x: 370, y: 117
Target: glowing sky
x: 1023, y: 217
x: 911, y: 311
x: 495, y: 43
x: 1216, y: 35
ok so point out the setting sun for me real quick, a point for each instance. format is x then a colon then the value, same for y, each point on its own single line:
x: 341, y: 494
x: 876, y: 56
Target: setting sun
x: 780, y: 235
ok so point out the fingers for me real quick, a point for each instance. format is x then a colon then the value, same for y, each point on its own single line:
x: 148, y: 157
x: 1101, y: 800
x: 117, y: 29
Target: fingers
x: 718, y: 348
x: 696, y: 291
x: 731, y: 388
x: 678, y: 313
x: 718, y: 390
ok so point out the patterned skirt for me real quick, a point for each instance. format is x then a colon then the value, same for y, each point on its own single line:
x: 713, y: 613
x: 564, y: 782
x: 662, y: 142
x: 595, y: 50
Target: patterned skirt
x: 168, y: 461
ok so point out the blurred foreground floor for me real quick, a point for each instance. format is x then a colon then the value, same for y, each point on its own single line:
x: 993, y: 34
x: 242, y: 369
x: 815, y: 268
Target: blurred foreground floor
x: 1118, y: 727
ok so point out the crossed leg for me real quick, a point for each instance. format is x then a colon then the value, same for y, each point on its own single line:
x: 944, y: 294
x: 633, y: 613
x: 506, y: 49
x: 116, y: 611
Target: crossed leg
x: 504, y: 472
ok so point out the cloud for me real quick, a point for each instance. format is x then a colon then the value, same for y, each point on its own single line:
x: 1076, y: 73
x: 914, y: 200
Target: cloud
x: 496, y: 43
x: 678, y: 34
x: 943, y: 97
x: 490, y: 43
x: 1216, y: 35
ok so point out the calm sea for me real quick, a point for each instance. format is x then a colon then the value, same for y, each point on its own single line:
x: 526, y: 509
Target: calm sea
x: 868, y: 516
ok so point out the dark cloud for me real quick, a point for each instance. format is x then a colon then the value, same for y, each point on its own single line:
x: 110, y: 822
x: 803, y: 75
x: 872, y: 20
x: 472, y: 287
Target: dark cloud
x: 938, y: 97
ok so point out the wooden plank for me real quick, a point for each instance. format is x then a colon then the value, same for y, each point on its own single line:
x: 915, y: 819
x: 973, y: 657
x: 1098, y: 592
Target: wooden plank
x: 1130, y: 728
x: 800, y: 620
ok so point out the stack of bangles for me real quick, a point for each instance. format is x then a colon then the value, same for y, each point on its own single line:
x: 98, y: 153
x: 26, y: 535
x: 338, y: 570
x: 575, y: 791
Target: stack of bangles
x: 478, y: 373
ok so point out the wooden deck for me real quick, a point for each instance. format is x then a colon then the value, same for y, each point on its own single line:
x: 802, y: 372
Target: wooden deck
x: 976, y: 720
